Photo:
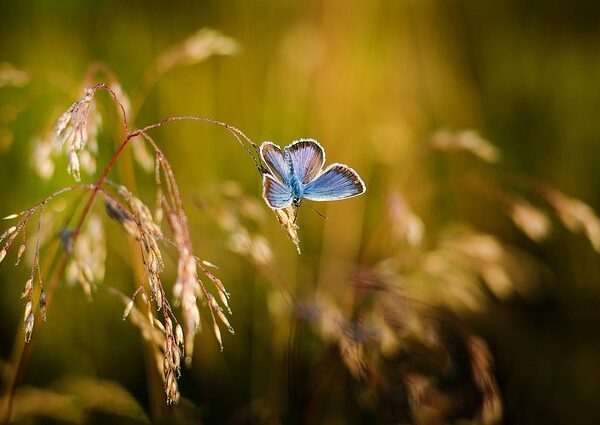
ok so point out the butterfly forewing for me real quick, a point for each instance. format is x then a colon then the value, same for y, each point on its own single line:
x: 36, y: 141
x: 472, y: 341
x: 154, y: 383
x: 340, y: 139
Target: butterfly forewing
x: 273, y: 158
x: 276, y: 194
x: 305, y: 157
x: 338, y: 181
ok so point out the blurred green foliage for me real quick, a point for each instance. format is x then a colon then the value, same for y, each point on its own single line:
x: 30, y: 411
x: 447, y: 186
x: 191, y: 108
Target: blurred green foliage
x: 373, y: 81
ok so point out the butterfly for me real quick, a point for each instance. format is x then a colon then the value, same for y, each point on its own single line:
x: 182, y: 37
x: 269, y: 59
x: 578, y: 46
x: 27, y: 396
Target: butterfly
x: 297, y: 173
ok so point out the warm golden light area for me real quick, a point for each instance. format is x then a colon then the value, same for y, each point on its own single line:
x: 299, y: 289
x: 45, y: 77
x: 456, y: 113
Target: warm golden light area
x: 429, y: 253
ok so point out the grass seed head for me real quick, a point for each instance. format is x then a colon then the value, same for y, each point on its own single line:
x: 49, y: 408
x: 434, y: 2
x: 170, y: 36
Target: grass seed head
x: 73, y: 129
x: 28, y: 326
x: 127, y: 310
x: 27, y: 289
x: 20, y: 252
x: 532, y: 221
x: 42, y: 304
x: 179, y: 335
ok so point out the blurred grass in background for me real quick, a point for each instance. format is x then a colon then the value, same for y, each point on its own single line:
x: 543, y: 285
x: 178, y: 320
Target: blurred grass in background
x: 373, y: 81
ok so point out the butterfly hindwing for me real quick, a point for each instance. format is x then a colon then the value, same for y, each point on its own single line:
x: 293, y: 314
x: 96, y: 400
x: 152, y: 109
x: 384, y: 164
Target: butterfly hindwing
x: 276, y: 194
x: 273, y: 157
x: 305, y: 158
x: 338, y: 181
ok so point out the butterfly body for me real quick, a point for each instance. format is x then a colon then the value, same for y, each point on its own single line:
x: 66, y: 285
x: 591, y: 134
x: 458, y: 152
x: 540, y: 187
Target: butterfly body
x: 296, y: 187
x: 296, y: 173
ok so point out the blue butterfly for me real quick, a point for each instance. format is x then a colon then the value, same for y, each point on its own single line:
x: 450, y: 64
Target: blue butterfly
x: 296, y: 174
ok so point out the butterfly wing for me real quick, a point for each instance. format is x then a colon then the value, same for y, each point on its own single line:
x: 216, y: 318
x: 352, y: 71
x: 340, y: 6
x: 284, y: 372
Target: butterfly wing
x: 338, y: 181
x: 273, y: 158
x: 305, y: 158
x: 276, y: 194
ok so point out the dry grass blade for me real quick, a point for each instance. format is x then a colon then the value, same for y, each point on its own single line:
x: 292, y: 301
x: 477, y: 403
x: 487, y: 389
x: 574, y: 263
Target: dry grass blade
x: 204, y: 43
x: 13, y: 76
x: 575, y: 215
x: 468, y: 141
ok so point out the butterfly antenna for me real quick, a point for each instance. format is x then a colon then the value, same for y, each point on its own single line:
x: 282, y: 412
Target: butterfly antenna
x: 324, y: 217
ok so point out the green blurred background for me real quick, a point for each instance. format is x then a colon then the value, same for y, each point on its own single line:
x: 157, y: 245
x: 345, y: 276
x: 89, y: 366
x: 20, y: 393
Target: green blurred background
x: 372, y: 81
